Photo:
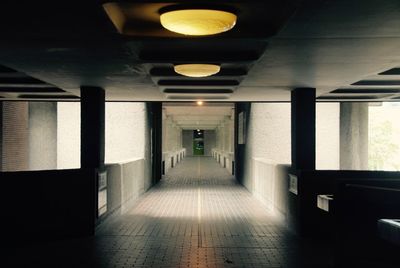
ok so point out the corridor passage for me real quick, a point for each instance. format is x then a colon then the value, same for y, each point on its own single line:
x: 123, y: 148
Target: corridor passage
x: 198, y: 216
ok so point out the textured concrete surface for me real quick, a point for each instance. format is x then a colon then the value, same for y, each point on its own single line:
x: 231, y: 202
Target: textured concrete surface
x: 187, y: 141
x: 68, y: 135
x: 42, y: 135
x: 198, y: 216
x: 127, y: 133
x: 209, y: 141
x: 15, y: 136
x: 354, y: 136
x: 327, y: 136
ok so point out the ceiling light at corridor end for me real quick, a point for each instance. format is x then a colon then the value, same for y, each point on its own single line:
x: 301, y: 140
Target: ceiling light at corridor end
x: 199, y: 103
x: 198, y: 21
x: 197, y: 70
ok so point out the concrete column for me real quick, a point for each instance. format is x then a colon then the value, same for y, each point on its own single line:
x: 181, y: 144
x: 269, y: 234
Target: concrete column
x: 164, y: 132
x: 221, y: 137
x: 232, y: 131
x: 92, y: 127
x: 42, y: 135
x: 354, y: 136
x: 1, y: 135
x: 156, y: 122
x: 303, y: 128
x: 179, y: 138
x: 229, y: 134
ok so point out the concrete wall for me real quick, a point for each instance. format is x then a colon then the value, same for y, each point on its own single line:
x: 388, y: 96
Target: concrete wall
x: 209, y: 141
x: 68, y: 135
x: 15, y: 136
x: 268, y: 137
x: 42, y: 135
x: 126, y: 182
x: 125, y: 131
x: 269, y: 133
x: 268, y: 148
x: 327, y: 135
x: 171, y: 136
x: 354, y: 136
x: 187, y: 141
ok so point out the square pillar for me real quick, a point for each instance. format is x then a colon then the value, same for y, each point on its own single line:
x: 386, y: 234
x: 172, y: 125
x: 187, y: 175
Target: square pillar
x: 156, y: 122
x: 92, y: 127
x: 303, y: 128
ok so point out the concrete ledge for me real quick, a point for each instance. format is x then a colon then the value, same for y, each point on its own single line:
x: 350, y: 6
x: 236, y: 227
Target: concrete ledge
x: 389, y: 230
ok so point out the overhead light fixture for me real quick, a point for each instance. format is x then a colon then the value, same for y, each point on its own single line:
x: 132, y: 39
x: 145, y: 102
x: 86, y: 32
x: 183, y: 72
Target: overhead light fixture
x: 197, y: 70
x: 199, y: 103
x: 198, y: 21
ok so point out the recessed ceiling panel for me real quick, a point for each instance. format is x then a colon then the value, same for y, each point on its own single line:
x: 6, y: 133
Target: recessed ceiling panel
x: 393, y: 71
x: 377, y: 83
x: 37, y: 89
x: 198, y: 91
x: 35, y: 96
x: 204, y: 82
x: 254, y: 18
x: 365, y: 91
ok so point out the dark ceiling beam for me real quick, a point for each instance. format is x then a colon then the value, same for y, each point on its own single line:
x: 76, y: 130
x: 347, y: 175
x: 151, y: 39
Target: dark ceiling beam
x: 217, y: 83
x: 377, y: 83
x: 169, y: 72
x: 198, y: 56
x: 35, y: 89
x: 365, y: 91
x: 197, y: 91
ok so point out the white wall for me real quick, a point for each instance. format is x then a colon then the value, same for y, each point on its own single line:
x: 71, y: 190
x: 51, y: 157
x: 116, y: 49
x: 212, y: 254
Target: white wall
x: 209, y: 141
x: 269, y: 136
x: 42, y: 135
x: 187, y: 141
x: 328, y: 136
x: 171, y: 136
x: 68, y: 135
x: 125, y: 131
x: 269, y: 132
x: 126, y: 125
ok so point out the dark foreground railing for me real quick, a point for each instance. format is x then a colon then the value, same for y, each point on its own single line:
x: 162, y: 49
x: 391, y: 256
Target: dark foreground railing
x: 46, y: 205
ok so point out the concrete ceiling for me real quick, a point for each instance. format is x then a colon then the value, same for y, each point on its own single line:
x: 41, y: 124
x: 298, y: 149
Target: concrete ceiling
x: 275, y: 47
x: 190, y: 116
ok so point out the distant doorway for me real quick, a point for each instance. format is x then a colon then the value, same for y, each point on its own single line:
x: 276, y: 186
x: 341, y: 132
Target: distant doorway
x: 198, y: 142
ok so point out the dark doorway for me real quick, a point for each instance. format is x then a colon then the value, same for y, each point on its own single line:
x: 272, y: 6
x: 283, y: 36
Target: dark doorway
x: 198, y: 142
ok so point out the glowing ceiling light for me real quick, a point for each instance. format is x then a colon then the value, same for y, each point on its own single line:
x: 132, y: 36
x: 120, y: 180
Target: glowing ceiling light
x: 199, y: 103
x: 198, y: 21
x: 197, y: 70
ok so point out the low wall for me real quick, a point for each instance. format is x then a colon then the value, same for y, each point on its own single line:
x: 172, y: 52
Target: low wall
x: 225, y: 159
x: 304, y: 214
x: 270, y: 185
x: 48, y: 205
x: 171, y: 158
x: 126, y: 182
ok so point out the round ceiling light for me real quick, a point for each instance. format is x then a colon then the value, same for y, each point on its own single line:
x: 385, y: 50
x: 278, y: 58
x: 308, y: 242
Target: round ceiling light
x: 197, y: 70
x: 198, y: 21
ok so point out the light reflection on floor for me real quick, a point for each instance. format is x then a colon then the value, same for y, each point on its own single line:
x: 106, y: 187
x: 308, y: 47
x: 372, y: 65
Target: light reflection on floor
x: 200, y: 217
x: 196, y: 217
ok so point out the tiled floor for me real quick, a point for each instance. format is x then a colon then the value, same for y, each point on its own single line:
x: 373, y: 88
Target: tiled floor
x: 198, y: 216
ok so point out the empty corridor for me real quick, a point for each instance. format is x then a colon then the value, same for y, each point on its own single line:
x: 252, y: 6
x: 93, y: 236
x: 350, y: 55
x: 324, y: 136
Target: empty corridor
x: 198, y: 216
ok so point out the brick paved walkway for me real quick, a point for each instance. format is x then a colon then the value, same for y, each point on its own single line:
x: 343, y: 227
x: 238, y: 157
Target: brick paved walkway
x: 198, y: 216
